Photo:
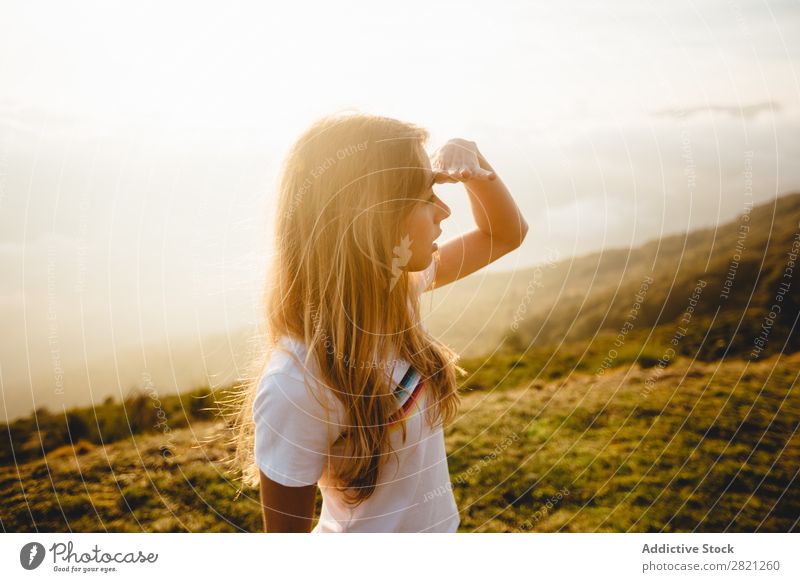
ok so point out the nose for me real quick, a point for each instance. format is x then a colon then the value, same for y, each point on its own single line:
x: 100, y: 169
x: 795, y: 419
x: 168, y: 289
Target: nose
x: 442, y: 210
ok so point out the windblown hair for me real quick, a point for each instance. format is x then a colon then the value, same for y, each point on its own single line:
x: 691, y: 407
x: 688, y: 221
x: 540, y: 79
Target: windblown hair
x: 346, y: 185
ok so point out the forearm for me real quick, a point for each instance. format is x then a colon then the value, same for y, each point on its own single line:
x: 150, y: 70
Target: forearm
x: 495, y: 211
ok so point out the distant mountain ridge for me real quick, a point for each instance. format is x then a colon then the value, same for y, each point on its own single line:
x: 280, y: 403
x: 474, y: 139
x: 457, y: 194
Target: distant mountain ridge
x: 743, y: 264
x: 568, y: 300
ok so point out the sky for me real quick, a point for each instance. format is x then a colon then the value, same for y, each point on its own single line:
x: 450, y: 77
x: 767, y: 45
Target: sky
x: 140, y: 142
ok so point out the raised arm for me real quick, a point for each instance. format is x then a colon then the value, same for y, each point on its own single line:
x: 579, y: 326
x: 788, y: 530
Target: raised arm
x: 500, y: 225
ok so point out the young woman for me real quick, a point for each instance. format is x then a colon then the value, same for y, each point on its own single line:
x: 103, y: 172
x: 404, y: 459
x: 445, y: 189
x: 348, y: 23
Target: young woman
x: 355, y: 392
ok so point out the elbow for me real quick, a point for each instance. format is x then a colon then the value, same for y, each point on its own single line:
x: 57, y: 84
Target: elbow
x: 509, y: 243
x: 517, y: 241
x: 523, y: 231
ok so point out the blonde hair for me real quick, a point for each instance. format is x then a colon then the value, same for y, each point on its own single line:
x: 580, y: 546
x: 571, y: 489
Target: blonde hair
x: 346, y: 185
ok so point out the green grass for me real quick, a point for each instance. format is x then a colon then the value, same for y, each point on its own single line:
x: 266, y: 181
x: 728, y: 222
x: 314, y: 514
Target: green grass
x: 711, y: 447
x: 703, y: 451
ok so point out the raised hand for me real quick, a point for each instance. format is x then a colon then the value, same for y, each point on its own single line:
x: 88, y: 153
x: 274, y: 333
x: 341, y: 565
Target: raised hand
x: 459, y: 161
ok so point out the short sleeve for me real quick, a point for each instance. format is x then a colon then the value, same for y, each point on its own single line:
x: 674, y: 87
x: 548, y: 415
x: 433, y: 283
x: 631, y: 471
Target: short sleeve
x: 423, y: 280
x: 293, y: 429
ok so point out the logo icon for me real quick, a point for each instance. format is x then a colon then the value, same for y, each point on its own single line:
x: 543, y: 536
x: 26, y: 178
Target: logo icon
x: 31, y: 555
x: 402, y: 254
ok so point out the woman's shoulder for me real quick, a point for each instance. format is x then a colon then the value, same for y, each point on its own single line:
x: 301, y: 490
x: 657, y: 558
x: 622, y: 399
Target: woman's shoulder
x: 288, y: 358
x: 286, y: 378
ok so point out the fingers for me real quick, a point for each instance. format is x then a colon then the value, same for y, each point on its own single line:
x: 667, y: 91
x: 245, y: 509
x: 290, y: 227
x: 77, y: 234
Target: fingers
x: 441, y: 177
x: 454, y: 175
x: 479, y: 174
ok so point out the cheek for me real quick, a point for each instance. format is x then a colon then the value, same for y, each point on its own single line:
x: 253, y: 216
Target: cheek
x: 415, y: 224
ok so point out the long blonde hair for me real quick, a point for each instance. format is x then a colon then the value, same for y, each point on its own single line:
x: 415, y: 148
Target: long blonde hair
x: 346, y: 185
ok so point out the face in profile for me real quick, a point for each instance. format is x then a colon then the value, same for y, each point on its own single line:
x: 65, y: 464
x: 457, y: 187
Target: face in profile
x: 422, y: 225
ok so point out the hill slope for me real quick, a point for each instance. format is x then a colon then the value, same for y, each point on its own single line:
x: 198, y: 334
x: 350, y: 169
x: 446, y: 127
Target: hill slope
x: 745, y: 261
x: 695, y: 447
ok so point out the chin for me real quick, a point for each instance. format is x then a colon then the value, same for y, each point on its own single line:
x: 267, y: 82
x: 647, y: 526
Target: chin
x: 420, y: 264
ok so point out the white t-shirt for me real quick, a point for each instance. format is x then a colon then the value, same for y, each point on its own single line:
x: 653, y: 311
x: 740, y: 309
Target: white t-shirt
x: 293, y: 430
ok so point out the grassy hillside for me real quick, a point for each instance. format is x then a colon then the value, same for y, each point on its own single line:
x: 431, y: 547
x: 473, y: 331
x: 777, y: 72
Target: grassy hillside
x: 573, y: 299
x: 690, y: 447
x: 693, y: 447
x: 44, y: 431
